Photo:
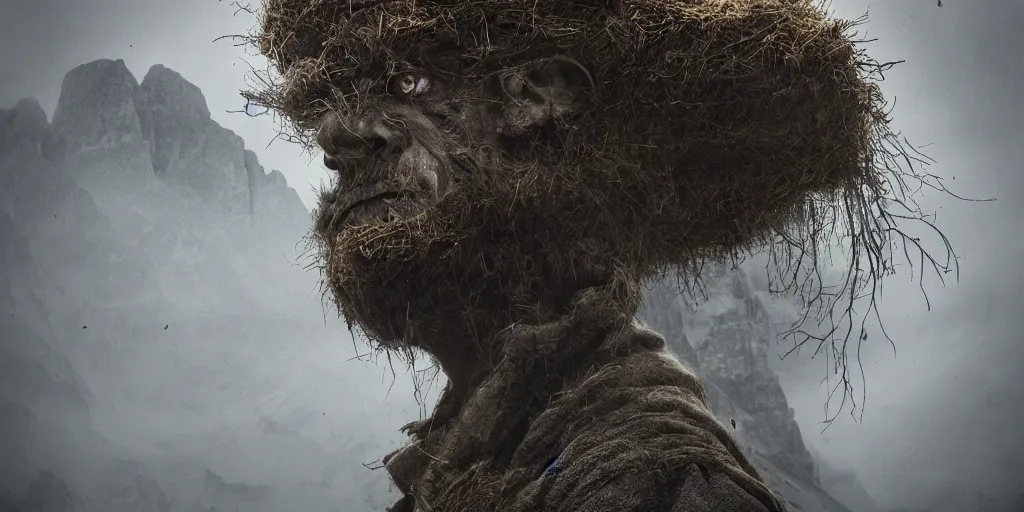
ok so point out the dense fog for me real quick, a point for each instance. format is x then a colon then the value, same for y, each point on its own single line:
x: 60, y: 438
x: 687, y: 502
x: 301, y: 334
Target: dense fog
x: 166, y: 346
x: 942, y: 412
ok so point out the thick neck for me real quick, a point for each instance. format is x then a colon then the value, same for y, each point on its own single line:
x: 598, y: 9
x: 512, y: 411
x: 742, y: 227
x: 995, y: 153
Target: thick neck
x: 469, y: 352
x: 462, y: 362
x: 539, y: 361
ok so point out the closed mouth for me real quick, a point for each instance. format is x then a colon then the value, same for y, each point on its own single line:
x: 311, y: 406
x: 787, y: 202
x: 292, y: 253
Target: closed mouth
x: 385, y: 197
x: 376, y: 207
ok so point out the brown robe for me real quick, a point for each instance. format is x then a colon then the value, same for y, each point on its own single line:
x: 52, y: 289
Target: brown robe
x: 578, y: 416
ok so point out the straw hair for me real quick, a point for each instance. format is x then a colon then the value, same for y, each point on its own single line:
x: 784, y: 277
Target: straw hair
x: 716, y: 127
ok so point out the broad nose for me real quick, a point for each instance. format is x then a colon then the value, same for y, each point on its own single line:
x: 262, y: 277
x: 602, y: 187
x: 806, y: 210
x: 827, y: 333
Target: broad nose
x: 343, y: 138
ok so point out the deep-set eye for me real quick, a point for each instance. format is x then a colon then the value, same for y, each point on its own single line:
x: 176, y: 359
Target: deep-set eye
x: 331, y: 164
x: 410, y: 84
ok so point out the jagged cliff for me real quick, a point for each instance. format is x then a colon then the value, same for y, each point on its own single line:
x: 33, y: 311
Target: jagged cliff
x: 185, y: 361
x: 728, y: 340
x: 106, y: 122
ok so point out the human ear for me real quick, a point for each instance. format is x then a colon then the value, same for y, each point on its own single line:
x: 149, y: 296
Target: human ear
x: 543, y: 91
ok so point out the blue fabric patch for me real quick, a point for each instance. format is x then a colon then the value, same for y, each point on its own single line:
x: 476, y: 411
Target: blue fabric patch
x: 553, y: 465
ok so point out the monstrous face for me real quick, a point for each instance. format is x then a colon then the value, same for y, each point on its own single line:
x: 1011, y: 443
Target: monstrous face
x: 452, y: 213
x: 482, y: 180
x: 396, y: 156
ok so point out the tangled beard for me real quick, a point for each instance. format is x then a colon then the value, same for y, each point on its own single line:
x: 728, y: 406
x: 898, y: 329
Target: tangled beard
x: 457, y: 272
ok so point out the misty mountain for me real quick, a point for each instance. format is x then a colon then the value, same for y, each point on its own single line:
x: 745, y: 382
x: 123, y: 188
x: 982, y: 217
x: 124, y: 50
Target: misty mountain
x: 165, y: 349
x: 43, y: 401
x: 728, y: 339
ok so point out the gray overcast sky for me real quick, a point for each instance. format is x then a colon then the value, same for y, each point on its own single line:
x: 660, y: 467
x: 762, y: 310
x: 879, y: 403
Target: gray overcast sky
x: 945, y: 409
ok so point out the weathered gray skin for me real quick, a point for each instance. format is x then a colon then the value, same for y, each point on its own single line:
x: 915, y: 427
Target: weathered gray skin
x: 624, y: 428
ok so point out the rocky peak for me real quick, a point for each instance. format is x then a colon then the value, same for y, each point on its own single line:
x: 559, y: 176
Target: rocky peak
x: 164, y: 87
x: 188, y: 148
x: 167, y: 104
x: 97, y: 106
x: 24, y: 127
x: 29, y: 118
x: 113, y: 130
x: 275, y: 179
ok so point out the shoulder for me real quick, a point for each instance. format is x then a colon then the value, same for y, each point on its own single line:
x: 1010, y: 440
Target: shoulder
x: 694, y: 489
x: 637, y: 434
